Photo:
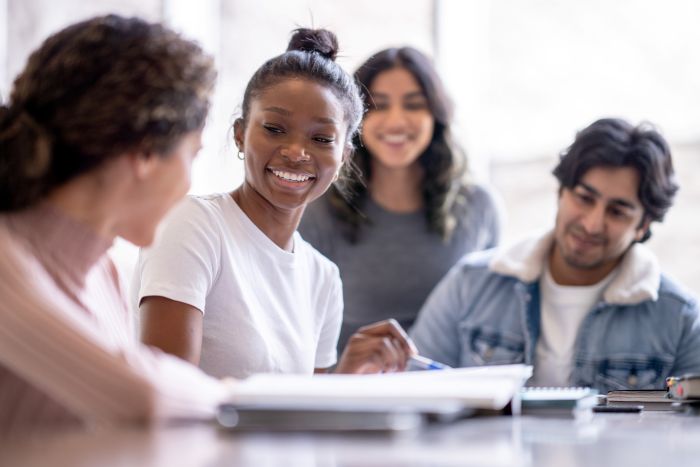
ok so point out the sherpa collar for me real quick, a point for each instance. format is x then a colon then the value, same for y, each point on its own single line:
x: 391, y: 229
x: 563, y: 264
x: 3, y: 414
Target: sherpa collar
x: 637, y: 280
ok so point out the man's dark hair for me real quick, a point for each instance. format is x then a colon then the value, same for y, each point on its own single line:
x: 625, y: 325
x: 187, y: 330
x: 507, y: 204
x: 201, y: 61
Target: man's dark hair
x: 613, y: 142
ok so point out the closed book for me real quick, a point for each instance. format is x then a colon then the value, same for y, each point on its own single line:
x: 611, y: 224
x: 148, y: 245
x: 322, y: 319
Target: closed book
x: 649, y: 399
x: 557, y: 401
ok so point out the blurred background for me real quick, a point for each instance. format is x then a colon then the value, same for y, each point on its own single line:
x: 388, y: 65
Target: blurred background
x: 524, y: 76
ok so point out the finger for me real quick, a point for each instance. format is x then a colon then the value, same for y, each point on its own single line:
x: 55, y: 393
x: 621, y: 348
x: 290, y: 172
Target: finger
x: 392, y: 328
x: 401, y: 354
x: 366, y: 354
x: 382, y: 355
x: 387, y: 353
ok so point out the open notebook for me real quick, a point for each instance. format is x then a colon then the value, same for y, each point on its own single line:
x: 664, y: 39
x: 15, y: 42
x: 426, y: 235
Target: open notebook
x: 396, y: 394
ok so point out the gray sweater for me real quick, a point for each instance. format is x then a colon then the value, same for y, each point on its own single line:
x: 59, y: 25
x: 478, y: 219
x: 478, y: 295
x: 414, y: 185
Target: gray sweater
x: 391, y: 270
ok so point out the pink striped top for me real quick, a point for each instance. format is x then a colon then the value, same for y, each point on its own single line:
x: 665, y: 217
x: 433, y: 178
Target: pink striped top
x: 67, y: 353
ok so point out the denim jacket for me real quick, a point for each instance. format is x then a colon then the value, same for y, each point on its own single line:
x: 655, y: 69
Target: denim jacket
x: 486, y: 311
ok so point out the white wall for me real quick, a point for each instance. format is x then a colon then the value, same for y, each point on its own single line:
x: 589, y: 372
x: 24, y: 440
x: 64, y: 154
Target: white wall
x: 536, y: 71
x: 4, y: 86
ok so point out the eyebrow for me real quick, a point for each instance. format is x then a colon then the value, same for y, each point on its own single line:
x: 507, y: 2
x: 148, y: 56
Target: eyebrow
x: 410, y: 95
x: 287, y: 113
x: 413, y: 95
x: 617, y: 201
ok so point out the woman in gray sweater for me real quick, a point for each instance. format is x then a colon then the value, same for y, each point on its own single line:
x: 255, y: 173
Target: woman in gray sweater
x: 406, y: 214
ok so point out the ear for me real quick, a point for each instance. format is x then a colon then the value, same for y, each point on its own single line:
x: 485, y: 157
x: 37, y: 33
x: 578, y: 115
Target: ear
x: 642, y: 229
x: 142, y: 164
x: 238, y: 133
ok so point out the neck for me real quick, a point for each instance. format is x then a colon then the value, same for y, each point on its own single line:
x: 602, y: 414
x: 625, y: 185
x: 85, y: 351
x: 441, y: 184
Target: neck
x: 397, y: 190
x: 277, y: 224
x: 565, y: 274
x: 86, y: 200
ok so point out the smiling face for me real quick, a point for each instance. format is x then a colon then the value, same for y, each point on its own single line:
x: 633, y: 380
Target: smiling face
x: 293, y: 141
x: 399, y: 125
x: 597, y: 221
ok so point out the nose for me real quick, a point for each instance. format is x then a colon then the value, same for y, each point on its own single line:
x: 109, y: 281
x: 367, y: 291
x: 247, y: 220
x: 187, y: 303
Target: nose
x: 395, y: 117
x: 295, y: 153
x: 594, y: 219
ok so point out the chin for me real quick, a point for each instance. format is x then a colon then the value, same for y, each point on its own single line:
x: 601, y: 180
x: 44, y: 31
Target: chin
x: 582, y: 263
x: 141, y: 239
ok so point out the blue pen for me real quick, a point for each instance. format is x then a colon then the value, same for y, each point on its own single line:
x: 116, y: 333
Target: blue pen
x: 428, y: 364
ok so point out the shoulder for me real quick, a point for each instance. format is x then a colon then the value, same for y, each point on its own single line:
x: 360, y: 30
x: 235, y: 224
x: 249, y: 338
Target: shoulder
x: 196, y: 215
x: 201, y: 207
x: 475, y: 269
x: 478, y: 194
x: 480, y: 203
x: 19, y: 267
x: 672, y: 295
x: 195, y: 227
x: 12, y: 249
x: 477, y: 261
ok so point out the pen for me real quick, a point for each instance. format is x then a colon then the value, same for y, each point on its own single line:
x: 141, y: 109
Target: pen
x: 428, y: 364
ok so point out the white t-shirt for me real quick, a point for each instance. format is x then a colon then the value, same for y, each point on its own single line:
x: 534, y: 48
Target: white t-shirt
x: 265, y: 309
x: 562, y: 310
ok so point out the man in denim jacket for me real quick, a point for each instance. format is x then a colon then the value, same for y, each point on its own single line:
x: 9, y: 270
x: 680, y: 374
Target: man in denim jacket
x: 584, y: 303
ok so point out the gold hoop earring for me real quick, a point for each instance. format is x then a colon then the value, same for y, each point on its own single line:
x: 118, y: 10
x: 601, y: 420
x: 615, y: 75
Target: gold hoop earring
x: 241, y: 155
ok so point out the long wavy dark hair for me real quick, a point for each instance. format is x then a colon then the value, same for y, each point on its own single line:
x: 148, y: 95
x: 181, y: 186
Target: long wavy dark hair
x: 443, y: 163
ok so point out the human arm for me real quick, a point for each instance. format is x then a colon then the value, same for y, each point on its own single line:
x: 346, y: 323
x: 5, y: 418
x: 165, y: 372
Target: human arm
x: 55, y: 346
x: 172, y: 326
x: 173, y: 279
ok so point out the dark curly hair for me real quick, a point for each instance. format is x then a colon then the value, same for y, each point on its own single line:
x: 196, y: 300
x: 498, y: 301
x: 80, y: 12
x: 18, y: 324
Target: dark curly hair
x: 444, y: 164
x: 92, y: 91
x: 613, y: 142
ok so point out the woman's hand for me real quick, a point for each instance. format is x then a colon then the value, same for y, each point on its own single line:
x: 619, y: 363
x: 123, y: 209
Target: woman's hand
x: 381, y: 347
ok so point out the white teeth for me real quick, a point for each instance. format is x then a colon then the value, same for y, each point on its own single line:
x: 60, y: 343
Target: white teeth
x: 395, y: 139
x: 290, y: 176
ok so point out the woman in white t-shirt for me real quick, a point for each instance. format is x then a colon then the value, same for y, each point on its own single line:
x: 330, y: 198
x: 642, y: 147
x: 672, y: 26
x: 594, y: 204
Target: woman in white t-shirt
x: 230, y: 284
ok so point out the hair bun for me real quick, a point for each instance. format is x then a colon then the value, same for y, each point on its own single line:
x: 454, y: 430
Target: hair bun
x: 320, y: 41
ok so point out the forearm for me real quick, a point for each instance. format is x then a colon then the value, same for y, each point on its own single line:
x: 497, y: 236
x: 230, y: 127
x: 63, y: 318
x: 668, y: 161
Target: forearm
x: 46, y: 340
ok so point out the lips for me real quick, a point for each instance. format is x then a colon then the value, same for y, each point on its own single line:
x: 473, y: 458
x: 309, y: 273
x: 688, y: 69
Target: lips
x: 289, y: 175
x: 395, y: 138
x: 583, y: 240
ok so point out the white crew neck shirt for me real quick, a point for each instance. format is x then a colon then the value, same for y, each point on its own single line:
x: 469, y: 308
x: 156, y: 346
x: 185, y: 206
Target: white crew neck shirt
x: 562, y: 310
x: 266, y: 310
